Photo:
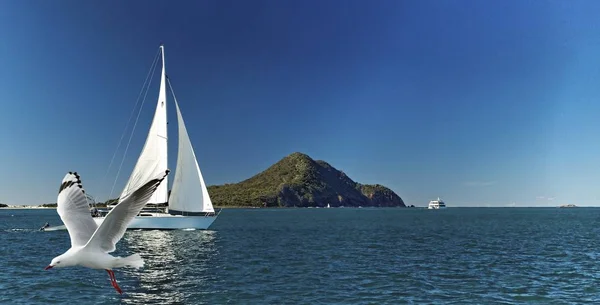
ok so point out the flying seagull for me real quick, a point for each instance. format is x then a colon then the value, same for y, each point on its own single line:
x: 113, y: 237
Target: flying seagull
x: 90, y: 243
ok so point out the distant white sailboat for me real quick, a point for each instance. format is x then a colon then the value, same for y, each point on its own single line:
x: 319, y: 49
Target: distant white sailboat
x: 189, y: 204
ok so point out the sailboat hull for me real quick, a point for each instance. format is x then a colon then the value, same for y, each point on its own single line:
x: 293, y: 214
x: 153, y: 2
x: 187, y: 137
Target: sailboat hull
x: 160, y: 221
x: 170, y: 222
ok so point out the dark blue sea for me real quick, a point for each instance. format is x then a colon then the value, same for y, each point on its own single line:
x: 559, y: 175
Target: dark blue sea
x: 324, y: 256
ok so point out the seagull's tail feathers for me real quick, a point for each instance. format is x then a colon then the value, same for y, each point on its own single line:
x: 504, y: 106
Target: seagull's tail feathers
x: 134, y: 260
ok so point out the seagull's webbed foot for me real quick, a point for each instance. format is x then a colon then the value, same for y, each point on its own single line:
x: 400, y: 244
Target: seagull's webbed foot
x: 113, y: 281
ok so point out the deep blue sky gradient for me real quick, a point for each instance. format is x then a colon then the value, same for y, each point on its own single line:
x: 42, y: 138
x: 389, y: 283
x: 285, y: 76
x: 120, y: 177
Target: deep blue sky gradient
x: 483, y: 103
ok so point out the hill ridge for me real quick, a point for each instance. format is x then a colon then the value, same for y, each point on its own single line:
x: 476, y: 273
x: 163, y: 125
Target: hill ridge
x: 298, y: 180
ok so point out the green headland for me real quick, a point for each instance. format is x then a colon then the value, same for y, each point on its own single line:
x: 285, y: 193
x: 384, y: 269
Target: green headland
x: 299, y: 181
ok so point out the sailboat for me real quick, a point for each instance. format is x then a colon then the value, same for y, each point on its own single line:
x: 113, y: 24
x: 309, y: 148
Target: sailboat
x: 189, y: 205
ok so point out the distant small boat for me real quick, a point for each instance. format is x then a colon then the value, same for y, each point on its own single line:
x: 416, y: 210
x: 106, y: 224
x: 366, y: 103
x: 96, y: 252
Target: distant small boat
x: 568, y: 206
x: 436, y: 204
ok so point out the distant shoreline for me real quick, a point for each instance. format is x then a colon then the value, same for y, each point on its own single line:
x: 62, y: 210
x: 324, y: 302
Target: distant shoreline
x: 54, y: 208
x: 24, y: 208
x: 367, y: 207
x: 216, y: 207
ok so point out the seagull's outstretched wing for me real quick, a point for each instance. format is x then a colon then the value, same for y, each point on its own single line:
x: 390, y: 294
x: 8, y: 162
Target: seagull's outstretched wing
x: 114, y: 225
x: 74, y: 210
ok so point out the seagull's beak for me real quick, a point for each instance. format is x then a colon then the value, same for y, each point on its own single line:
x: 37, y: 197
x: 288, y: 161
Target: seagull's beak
x: 48, y: 267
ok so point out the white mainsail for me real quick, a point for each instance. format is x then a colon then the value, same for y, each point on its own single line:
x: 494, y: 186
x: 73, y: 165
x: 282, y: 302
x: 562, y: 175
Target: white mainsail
x: 189, y: 193
x: 153, y: 158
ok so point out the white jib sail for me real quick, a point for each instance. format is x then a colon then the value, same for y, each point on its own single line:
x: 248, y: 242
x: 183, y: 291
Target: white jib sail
x: 189, y: 193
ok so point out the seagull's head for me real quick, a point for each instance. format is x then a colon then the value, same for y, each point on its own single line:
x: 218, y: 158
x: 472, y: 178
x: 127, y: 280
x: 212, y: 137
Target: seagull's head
x: 59, y: 261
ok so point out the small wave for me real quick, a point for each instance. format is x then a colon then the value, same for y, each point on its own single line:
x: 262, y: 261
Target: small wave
x: 19, y: 230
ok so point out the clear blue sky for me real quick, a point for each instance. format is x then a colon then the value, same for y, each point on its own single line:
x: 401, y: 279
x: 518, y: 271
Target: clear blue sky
x: 478, y: 102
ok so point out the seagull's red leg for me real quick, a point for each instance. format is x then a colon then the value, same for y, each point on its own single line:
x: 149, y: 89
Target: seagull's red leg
x: 115, y: 284
x: 113, y: 281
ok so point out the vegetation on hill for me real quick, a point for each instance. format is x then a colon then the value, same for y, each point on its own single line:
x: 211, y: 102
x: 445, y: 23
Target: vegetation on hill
x: 299, y: 181
x: 2, y: 205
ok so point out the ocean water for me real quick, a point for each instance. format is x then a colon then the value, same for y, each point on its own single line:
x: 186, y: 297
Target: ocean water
x: 324, y: 256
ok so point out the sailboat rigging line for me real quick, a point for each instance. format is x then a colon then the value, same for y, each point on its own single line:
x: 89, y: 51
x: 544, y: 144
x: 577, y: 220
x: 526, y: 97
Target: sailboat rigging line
x: 145, y: 88
x: 170, y: 87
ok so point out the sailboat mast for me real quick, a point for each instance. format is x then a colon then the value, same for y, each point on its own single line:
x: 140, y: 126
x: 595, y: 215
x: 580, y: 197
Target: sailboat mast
x: 161, y: 194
